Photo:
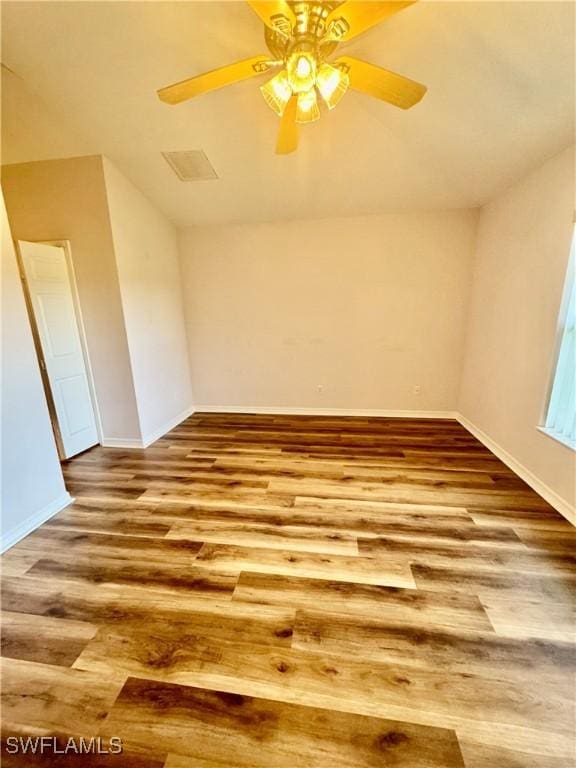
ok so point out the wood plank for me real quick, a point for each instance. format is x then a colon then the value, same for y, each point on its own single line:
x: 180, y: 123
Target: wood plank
x: 495, y: 583
x: 519, y: 519
x: 133, y: 606
x: 455, y: 650
x: 483, y: 756
x: 366, y: 600
x: 351, y: 522
x: 477, y: 497
x: 354, y: 521
x: 337, y: 470
x: 43, y: 638
x: 240, y: 498
x: 514, y: 617
x: 293, y: 537
x: 71, y: 544
x: 393, y: 573
x: 379, y: 507
x: 16, y: 561
x: 215, y: 725
x: 468, y: 555
x: 549, y: 541
x: 110, y: 490
x: 42, y: 699
x: 93, y: 474
x: 113, y: 522
x: 169, y: 576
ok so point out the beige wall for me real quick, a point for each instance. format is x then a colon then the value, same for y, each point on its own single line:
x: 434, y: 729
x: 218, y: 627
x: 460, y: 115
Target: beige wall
x: 32, y: 129
x: 32, y: 484
x: 367, y: 307
x: 125, y: 256
x: 520, y: 267
x: 146, y: 248
x: 66, y: 199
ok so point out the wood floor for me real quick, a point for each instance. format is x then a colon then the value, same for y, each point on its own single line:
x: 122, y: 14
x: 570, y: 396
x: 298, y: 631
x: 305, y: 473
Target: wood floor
x: 298, y: 592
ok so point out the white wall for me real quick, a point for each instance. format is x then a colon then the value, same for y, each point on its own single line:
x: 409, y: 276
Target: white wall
x: 367, y: 307
x: 32, y: 483
x: 520, y: 266
x: 66, y: 199
x: 146, y: 249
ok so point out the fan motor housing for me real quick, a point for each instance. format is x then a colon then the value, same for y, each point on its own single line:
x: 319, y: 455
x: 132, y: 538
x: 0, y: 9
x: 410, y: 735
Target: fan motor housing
x: 307, y: 35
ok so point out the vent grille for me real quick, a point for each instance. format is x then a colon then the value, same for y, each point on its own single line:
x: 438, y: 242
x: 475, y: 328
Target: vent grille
x: 190, y: 166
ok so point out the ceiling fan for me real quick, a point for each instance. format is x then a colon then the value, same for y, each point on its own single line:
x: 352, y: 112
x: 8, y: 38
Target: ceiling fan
x: 301, y: 36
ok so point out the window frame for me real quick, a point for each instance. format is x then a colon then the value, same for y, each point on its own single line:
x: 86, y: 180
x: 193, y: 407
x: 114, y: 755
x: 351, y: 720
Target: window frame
x: 567, y: 309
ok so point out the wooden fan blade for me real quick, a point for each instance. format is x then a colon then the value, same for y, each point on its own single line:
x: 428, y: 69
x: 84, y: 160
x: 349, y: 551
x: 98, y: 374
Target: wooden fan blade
x: 276, y: 14
x: 381, y: 83
x: 288, y: 133
x: 354, y: 17
x: 217, y: 78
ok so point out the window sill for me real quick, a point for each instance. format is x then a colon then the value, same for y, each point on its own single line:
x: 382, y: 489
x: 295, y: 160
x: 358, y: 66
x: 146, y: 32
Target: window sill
x: 559, y: 438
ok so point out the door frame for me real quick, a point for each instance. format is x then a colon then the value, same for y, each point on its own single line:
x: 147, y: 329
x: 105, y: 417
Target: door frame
x: 65, y: 245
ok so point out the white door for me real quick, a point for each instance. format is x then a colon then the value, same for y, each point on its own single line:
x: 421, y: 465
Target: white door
x: 51, y: 296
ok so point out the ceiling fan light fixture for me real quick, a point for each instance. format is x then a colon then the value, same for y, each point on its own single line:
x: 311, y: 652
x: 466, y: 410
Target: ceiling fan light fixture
x: 307, y: 110
x: 332, y: 83
x: 301, y: 35
x: 277, y: 92
x: 301, y: 66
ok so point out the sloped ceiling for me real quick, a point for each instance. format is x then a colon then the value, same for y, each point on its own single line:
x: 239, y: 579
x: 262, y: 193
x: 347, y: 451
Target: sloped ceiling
x: 500, y: 101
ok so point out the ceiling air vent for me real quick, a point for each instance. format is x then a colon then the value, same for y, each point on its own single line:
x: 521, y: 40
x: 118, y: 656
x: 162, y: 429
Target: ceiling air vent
x: 190, y: 166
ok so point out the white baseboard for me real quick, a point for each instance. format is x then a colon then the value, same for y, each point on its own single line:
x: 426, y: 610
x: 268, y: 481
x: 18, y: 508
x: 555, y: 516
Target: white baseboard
x: 144, y: 442
x: 549, y: 495
x: 289, y: 411
x: 34, y: 521
x: 121, y: 442
x: 161, y: 431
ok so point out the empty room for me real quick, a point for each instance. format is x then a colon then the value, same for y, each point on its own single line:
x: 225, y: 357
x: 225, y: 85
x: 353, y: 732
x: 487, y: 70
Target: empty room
x: 288, y: 384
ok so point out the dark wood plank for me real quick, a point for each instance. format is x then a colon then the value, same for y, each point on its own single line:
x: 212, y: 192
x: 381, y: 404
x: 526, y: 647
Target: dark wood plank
x: 134, y: 606
x: 366, y: 600
x: 171, y: 577
x: 222, y: 728
x: 469, y: 554
x: 455, y: 650
x: 71, y: 544
x: 43, y: 638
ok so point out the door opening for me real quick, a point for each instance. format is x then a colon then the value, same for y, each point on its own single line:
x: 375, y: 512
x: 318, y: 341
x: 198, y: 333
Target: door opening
x: 50, y: 290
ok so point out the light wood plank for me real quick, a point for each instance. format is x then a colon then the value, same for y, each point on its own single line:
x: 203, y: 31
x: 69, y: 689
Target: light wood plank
x: 393, y: 573
x: 41, y: 699
x: 293, y: 537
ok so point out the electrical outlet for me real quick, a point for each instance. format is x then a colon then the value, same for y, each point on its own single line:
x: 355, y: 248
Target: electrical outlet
x: 416, y: 389
x: 320, y: 388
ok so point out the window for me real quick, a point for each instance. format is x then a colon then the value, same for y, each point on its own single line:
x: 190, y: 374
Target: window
x: 561, y: 415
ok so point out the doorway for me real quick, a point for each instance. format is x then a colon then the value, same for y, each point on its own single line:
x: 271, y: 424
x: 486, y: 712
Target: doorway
x: 50, y: 290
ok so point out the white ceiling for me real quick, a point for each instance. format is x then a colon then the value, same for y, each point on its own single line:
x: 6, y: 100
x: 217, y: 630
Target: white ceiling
x: 500, y: 101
